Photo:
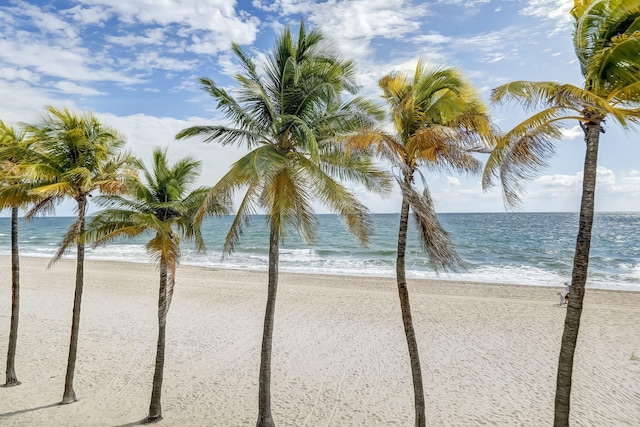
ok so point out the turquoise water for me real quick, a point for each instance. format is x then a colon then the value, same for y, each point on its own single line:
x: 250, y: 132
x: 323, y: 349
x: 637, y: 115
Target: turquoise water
x: 524, y: 248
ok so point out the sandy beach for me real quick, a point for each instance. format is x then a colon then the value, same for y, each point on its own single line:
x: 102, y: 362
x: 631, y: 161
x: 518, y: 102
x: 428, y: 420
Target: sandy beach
x: 489, y: 352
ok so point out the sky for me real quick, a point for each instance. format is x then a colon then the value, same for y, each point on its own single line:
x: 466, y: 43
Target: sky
x: 136, y: 64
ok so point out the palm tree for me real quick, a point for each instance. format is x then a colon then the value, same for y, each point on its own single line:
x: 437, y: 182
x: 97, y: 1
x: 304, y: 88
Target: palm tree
x: 76, y: 156
x: 165, y: 208
x: 291, y: 116
x: 14, y: 194
x: 439, y: 121
x: 607, y: 42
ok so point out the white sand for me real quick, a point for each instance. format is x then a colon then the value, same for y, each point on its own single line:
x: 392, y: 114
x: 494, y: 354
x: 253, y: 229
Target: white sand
x: 489, y: 352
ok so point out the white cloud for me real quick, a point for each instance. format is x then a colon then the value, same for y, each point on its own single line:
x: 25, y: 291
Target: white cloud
x: 88, y: 15
x: 605, y: 176
x: 74, y: 89
x: 152, y: 36
x: 559, y: 181
x: 18, y: 74
x: 355, y: 24
x: 214, y: 23
x: 152, y: 60
x: 452, y: 180
x: 432, y: 38
x: 563, y: 192
x: 572, y: 132
x: 227, y: 66
x: 46, y: 59
x: 47, y: 22
x: 22, y: 102
x: 463, y: 2
x: 551, y: 10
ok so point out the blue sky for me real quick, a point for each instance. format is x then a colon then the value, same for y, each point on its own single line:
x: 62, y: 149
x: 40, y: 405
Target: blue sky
x: 135, y: 63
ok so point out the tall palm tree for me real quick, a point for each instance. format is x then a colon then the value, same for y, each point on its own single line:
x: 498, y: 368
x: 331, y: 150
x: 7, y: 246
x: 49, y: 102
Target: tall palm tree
x: 291, y: 115
x: 76, y: 156
x: 439, y: 121
x: 15, y: 151
x: 165, y: 207
x: 607, y: 42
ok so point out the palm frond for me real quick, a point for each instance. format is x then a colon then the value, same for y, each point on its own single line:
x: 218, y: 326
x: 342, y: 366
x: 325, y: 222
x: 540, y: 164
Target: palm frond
x: 73, y: 235
x: 444, y: 148
x: 435, y: 240
x: 335, y: 196
x: 286, y: 195
x: 522, y: 152
x: 245, y: 210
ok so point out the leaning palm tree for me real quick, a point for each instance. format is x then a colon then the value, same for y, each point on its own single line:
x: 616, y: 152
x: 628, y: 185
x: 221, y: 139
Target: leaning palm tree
x: 76, y: 155
x: 291, y: 115
x: 165, y: 207
x: 607, y: 42
x: 14, y: 194
x: 439, y: 121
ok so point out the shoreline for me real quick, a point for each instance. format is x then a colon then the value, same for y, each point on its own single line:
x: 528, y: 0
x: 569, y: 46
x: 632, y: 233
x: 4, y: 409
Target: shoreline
x: 488, y: 351
x: 441, y: 279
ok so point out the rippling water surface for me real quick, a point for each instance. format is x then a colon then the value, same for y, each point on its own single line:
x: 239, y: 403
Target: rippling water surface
x: 525, y: 248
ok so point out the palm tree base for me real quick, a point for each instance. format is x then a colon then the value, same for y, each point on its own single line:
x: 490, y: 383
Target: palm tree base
x: 151, y: 420
x: 265, y: 422
x: 68, y: 399
x: 12, y: 382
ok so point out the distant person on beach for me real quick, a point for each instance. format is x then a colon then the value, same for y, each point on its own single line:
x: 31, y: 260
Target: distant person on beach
x: 567, y: 291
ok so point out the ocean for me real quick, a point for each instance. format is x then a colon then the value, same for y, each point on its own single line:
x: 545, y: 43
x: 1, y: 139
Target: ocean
x: 519, y: 248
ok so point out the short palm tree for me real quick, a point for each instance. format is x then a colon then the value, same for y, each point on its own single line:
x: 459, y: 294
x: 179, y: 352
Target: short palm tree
x: 291, y: 116
x: 607, y: 42
x: 164, y: 207
x: 76, y: 155
x: 439, y: 121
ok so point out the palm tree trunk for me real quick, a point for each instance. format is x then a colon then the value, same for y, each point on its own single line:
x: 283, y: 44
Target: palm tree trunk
x: 265, y: 419
x: 12, y: 379
x: 578, y: 278
x: 155, y: 408
x: 69, y: 395
x: 405, y: 307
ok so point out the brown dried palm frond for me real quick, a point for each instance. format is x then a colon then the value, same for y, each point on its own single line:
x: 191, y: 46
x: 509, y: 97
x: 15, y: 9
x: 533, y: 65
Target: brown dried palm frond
x: 435, y: 240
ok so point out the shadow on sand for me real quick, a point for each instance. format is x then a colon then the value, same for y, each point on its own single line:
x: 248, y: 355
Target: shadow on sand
x: 23, y: 411
x: 131, y: 424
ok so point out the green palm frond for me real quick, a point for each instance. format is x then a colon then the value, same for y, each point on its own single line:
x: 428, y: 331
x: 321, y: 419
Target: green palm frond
x: 340, y: 162
x: 615, y: 64
x: 335, y: 196
x: 286, y: 193
x: 246, y: 208
x: 16, y: 194
x: 627, y: 94
x: 111, y: 224
x: 16, y: 153
x: 599, y: 27
x: 531, y: 95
